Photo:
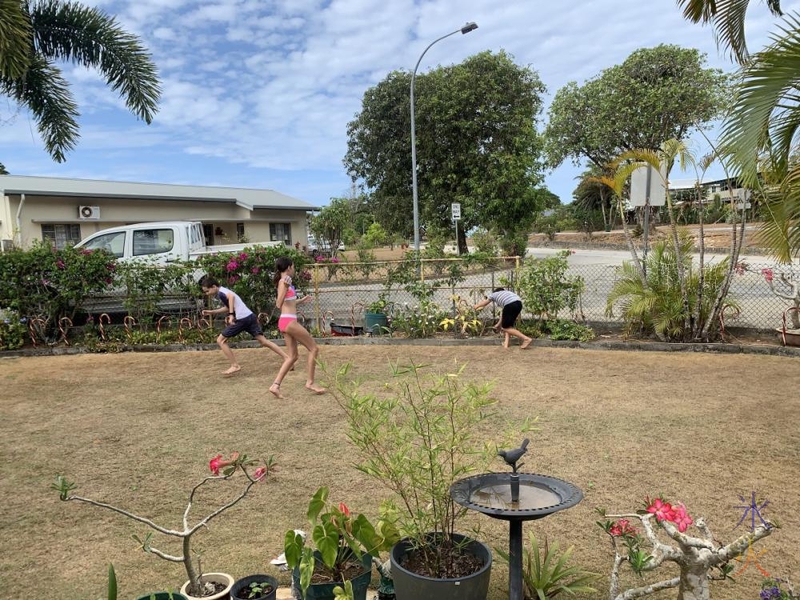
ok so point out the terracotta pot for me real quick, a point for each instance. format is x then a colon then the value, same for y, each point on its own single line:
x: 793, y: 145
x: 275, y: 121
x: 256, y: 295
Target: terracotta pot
x: 217, y: 578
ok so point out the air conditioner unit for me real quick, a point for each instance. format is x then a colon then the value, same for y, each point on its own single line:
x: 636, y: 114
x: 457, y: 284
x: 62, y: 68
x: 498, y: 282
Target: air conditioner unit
x: 88, y: 212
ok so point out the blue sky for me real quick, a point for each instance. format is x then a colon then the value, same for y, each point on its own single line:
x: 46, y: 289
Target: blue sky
x: 258, y: 93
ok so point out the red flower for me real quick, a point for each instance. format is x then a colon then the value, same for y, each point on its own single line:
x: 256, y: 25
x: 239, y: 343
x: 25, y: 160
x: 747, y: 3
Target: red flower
x: 662, y: 510
x: 344, y: 509
x: 622, y: 527
x: 214, y: 464
x: 681, y: 518
x: 767, y: 273
x: 232, y: 266
x: 260, y: 473
x: 60, y: 264
x: 255, y: 270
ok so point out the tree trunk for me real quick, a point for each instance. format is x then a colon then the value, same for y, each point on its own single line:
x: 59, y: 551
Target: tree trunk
x: 462, y: 241
x: 693, y: 583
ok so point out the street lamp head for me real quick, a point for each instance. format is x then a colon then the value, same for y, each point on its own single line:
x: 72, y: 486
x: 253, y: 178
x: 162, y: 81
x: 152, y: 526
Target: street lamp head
x: 471, y: 26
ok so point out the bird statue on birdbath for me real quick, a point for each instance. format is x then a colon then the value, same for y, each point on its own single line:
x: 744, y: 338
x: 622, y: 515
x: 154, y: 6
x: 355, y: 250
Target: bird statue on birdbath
x: 512, y: 456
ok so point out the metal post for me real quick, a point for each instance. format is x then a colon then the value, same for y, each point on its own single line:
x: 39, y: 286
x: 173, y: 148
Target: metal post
x: 515, y: 591
x: 647, y: 216
x: 414, y: 193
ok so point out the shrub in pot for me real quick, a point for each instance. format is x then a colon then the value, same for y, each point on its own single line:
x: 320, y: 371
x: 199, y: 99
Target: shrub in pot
x: 338, y: 550
x: 255, y: 587
x: 417, y: 439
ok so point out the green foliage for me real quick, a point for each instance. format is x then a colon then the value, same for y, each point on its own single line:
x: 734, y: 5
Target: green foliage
x: 50, y: 284
x: 330, y: 224
x: 338, y: 537
x: 476, y: 140
x: 12, y: 330
x: 655, y: 95
x: 546, y: 288
x: 37, y: 34
x: 485, y: 242
x: 656, y: 305
x: 112, y: 582
x: 417, y: 439
x: 565, y: 329
x: 545, y: 573
x: 514, y: 243
x: 419, y: 321
x: 147, y: 285
x: 376, y: 236
x: 249, y: 273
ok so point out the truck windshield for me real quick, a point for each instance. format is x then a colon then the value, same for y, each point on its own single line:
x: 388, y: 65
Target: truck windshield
x: 110, y: 242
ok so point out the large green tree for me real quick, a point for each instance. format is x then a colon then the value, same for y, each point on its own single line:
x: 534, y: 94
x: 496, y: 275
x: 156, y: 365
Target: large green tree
x: 760, y: 137
x: 35, y: 34
x: 476, y: 139
x: 655, y: 95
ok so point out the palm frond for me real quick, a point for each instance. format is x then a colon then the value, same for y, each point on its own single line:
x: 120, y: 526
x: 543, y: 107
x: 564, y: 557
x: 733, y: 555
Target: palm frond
x: 89, y: 37
x: 15, y: 40
x: 45, y: 92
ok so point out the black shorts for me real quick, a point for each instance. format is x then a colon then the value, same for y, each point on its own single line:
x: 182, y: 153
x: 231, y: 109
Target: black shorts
x: 510, y: 314
x: 248, y: 324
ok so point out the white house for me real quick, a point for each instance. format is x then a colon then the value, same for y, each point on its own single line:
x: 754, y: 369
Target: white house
x: 67, y: 210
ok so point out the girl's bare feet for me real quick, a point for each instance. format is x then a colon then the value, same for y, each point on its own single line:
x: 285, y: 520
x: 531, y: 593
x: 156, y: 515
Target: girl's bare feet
x: 315, y: 389
x: 275, y: 390
x: 525, y: 344
x: 232, y: 370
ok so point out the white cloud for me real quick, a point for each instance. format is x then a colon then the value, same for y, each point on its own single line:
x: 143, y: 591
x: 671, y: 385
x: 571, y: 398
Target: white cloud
x: 268, y: 87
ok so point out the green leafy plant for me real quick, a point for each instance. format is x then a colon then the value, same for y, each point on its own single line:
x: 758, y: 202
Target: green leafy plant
x: 379, y: 306
x: 222, y: 470
x: 655, y: 305
x: 545, y: 573
x: 546, y: 288
x: 258, y: 588
x: 12, y: 330
x: 420, y: 321
x: 417, y: 439
x: 338, y: 539
x: 112, y: 582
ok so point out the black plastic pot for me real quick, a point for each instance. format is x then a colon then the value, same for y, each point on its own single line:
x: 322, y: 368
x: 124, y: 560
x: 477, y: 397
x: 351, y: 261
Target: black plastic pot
x: 162, y: 596
x: 411, y: 586
x: 324, y: 591
x: 242, y: 585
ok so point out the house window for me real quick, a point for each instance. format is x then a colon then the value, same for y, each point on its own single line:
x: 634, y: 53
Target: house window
x: 240, y: 232
x: 280, y: 232
x: 61, y: 236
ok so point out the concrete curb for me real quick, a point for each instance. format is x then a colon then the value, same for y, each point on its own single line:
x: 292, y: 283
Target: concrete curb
x: 599, y: 344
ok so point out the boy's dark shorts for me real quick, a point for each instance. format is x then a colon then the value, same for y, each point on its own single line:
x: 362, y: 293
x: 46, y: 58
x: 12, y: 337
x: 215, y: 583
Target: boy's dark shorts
x: 510, y: 314
x: 248, y: 324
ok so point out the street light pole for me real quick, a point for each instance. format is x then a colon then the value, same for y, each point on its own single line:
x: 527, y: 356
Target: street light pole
x: 415, y: 195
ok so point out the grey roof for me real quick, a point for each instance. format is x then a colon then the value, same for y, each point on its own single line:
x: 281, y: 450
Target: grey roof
x: 248, y: 198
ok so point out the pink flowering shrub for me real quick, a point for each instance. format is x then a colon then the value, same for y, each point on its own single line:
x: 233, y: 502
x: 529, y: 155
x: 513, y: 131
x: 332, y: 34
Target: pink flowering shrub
x: 249, y: 273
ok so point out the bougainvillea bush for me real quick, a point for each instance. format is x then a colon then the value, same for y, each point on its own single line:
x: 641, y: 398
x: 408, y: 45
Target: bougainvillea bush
x: 48, y: 284
x: 249, y: 273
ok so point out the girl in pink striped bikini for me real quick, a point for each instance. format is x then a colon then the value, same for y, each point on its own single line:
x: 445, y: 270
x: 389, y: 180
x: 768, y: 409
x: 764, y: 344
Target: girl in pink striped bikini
x: 291, y: 329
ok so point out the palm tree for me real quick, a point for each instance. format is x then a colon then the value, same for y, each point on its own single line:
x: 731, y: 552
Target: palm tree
x: 765, y: 116
x: 36, y: 33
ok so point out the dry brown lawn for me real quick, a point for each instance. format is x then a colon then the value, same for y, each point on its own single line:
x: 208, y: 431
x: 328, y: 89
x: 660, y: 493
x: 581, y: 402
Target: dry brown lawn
x: 139, y: 429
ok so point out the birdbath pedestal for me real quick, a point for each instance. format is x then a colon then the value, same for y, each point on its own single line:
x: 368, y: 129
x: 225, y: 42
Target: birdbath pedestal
x: 515, y: 497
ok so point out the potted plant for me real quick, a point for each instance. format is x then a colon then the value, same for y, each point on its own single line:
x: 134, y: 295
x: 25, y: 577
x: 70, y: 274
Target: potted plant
x: 417, y: 441
x: 340, y: 551
x: 255, y: 587
x: 376, y: 317
x: 209, y: 586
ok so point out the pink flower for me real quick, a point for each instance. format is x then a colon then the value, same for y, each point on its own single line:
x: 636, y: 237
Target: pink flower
x: 622, y: 527
x: 344, y: 509
x: 255, y: 270
x: 767, y: 273
x: 662, y: 510
x: 243, y: 256
x: 260, y: 473
x: 681, y: 518
x: 232, y: 266
x: 60, y: 264
x: 214, y: 464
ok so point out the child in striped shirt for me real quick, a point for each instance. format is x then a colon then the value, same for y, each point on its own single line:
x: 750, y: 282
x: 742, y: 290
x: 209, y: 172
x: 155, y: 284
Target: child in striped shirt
x: 512, y: 307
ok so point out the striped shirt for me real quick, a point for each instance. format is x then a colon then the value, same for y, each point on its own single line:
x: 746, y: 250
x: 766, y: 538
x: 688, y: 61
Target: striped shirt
x: 503, y: 298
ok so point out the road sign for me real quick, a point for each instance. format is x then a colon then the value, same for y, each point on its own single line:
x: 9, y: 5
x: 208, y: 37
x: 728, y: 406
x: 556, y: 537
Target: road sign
x: 455, y: 209
x: 647, y: 184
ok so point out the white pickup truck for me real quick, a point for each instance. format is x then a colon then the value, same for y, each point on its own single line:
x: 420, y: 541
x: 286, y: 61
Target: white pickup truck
x: 159, y: 243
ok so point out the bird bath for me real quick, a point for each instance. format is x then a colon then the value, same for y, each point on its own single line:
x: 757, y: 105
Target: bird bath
x: 515, y: 497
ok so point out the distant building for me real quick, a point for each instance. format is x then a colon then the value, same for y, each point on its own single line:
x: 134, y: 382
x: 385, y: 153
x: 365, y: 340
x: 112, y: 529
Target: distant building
x: 682, y: 190
x: 65, y: 211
